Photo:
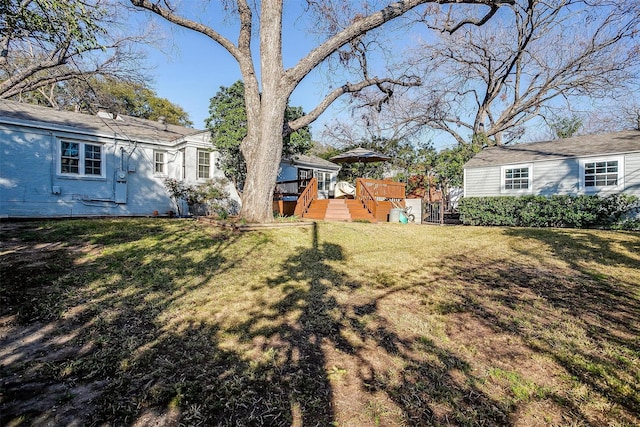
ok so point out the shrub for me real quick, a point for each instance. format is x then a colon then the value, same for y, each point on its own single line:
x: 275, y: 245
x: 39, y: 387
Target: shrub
x: 542, y: 211
x: 203, y: 199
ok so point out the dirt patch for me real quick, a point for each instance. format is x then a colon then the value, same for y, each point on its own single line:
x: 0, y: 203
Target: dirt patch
x: 25, y: 353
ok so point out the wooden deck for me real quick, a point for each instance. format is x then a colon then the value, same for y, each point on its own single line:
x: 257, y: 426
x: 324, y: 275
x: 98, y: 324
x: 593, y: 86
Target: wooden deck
x: 373, y: 201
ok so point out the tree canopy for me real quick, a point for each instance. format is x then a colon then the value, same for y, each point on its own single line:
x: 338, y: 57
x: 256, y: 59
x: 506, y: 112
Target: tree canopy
x: 565, y: 127
x: 44, y: 42
x: 227, y: 122
x: 130, y: 98
x: 535, y: 59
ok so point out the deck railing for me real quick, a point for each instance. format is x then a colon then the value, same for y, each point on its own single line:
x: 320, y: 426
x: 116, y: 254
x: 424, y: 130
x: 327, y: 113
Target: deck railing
x: 383, y: 189
x: 368, y: 198
x: 308, y: 195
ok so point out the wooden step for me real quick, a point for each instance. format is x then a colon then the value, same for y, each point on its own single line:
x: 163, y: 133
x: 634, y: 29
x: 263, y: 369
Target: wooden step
x: 338, y: 210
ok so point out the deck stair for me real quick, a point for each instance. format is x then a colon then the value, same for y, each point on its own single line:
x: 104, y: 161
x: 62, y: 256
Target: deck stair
x: 338, y: 210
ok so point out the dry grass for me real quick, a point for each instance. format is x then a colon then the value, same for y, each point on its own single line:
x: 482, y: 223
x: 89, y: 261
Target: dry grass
x: 168, y: 322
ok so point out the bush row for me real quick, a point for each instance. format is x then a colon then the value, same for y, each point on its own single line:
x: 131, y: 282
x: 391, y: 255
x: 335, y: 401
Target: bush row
x: 543, y: 211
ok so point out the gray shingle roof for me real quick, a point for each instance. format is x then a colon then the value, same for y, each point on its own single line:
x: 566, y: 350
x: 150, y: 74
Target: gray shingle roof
x: 124, y: 126
x: 313, y: 161
x: 579, y: 146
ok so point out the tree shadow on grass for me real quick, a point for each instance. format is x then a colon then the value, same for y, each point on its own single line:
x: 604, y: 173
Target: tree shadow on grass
x: 336, y: 351
x: 573, y: 313
x: 82, y: 337
x: 132, y: 341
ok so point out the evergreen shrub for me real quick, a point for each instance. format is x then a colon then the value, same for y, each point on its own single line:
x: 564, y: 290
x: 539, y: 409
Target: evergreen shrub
x: 548, y: 211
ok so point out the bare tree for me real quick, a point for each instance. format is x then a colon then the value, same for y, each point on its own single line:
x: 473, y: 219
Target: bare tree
x: 43, y: 43
x: 266, y: 100
x: 533, y: 59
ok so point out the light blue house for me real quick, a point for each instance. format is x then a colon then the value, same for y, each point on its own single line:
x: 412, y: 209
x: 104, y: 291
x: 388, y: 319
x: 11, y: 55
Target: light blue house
x: 297, y: 170
x: 591, y: 164
x: 65, y: 164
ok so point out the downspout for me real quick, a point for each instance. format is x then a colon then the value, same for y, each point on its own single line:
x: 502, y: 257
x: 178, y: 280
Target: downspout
x: 54, y: 161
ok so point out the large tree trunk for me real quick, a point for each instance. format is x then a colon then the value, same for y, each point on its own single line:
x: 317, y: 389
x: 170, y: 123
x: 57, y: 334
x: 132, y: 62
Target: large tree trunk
x: 261, y: 153
x: 262, y: 149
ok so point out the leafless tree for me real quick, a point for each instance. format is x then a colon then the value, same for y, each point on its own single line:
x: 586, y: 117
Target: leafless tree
x: 534, y: 58
x: 340, y: 27
x: 43, y: 43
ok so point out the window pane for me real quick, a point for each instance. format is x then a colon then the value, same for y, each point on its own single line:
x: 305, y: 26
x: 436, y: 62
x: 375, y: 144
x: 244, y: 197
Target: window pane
x: 70, y: 158
x: 516, y: 179
x: 203, y: 164
x: 601, y: 174
x: 159, y: 162
x: 92, y: 160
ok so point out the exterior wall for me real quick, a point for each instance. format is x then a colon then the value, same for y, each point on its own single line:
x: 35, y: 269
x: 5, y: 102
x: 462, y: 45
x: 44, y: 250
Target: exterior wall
x: 557, y: 177
x: 632, y: 171
x: 561, y: 177
x: 31, y: 184
x: 482, y: 182
x: 289, y: 172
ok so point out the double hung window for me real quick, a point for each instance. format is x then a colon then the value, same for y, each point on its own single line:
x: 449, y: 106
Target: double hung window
x: 204, y: 164
x: 516, y: 179
x: 159, y: 159
x: 81, y: 159
x: 602, y: 174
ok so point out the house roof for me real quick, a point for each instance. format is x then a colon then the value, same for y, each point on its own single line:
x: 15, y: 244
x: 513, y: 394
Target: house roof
x: 579, y: 146
x: 126, y: 127
x: 312, y: 162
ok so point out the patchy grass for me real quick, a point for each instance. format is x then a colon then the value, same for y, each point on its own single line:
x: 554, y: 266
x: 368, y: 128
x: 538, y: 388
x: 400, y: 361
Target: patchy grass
x: 169, y: 322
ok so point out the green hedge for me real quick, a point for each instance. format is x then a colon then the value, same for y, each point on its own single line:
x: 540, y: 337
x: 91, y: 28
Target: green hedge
x: 543, y: 211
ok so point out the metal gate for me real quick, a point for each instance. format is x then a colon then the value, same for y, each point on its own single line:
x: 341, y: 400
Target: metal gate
x: 440, y: 213
x: 433, y: 213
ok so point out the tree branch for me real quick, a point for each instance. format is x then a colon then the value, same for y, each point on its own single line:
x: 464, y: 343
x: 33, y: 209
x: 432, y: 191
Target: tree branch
x: 346, y: 88
x: 365, y: 24
x: 170, y: 16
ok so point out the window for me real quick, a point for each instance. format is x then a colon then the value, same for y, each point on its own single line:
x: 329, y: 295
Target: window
x: 159, y: 162
x: 516, y: 179
x: 183, y: 157
x: 81, y: 159
x: 324, y: 180
x: 204, y: 164
x: 70, y: 158
x: 92, y: 160
x: 602, y: 174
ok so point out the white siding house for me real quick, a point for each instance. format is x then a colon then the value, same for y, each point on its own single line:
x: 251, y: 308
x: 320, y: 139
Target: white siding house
x: 591, y: 164
x: 64, y: 164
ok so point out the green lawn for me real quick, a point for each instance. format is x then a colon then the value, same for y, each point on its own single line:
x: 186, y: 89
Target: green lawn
x: 168, y: 322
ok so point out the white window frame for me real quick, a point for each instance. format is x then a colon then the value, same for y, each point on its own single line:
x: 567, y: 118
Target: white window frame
x: 602, y: 188
x: 324, y: 184
x: 503, y: 179
x: 198, y: 164
x: 183, y: 160
x: 82, y: 159
x: 163, y: 163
